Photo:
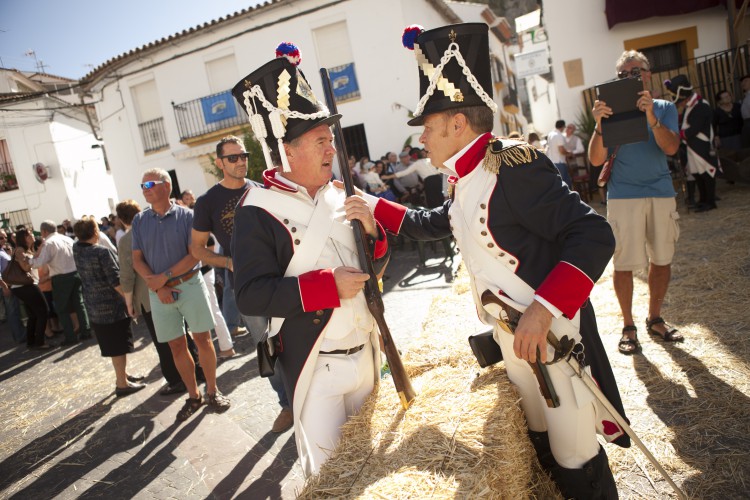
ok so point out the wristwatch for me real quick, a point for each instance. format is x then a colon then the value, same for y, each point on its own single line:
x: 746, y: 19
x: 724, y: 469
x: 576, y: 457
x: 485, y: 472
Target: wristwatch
x: 168, y: 274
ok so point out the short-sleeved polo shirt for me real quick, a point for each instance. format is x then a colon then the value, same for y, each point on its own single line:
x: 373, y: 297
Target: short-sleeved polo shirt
x: 164, y: 240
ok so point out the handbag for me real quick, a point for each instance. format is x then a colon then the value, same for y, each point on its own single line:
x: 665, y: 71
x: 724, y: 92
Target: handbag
x: 267, y: 354
x: 14, y: 275
x: 606, y: 172
x: 485, y: 349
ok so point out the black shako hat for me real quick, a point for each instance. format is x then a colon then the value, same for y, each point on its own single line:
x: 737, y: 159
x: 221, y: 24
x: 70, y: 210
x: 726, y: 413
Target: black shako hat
x: 280, y: 103
x: 679, y: 88
x: 457, y: 47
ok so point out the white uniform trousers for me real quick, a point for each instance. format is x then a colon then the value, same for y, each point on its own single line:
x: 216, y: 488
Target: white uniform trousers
x: 339, y: 386
x: 571, y: 429
x: 222, y: 331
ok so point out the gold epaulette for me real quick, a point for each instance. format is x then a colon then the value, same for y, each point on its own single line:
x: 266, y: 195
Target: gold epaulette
x: 508, y: 153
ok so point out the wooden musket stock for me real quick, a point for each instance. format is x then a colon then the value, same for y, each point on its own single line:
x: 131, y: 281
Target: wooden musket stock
x: 372, y: 290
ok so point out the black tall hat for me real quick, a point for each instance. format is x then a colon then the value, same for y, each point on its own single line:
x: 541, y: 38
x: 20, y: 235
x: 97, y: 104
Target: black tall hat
x: 679, y: 88
x: 465, y: 47
x: 280, y: 103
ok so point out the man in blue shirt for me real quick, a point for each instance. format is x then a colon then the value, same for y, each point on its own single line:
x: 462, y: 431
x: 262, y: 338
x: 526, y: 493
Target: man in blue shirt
x: 641, y: 203
x: 161, y: 255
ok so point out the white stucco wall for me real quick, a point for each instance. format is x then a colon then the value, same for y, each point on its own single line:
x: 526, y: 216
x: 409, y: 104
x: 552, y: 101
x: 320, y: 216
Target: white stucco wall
x: 578, y: 29
x: 386, y: 73
x: 77, y: 185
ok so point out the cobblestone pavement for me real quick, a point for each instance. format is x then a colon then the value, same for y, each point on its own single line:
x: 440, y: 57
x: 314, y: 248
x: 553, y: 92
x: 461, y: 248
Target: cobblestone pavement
x: 65, y: 435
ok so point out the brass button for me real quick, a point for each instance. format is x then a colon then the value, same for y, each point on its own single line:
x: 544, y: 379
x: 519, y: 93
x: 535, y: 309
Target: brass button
x: 296, y: 242
x: 294, y: 229
x: 502, y: 254
x: 451, y: 228
x: 482, y: 206
x: 512, y: 262
x: 490, y: 245
x: 319, y: 312
x: 316, y: 321
x: 481, y: 219
x: 484, y: 233
x: 286, y: 221
x: 449, y: 216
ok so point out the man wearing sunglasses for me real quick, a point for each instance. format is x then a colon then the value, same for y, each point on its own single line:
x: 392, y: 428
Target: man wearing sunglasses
x: 177, y: 292
x: 641, y: 203
x: 214, y: 213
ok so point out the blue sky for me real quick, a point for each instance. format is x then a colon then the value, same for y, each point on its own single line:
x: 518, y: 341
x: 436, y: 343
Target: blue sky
x: 71, y: 36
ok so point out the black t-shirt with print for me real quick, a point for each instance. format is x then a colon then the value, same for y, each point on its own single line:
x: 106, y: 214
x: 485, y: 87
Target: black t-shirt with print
x: 214, y: 212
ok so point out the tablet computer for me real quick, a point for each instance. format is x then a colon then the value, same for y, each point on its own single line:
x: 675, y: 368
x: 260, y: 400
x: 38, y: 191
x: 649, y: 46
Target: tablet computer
x: 627, y: 124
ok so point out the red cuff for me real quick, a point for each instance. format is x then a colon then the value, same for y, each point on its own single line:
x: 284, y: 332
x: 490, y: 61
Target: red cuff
x: 317, y: 289
x: 566, y: 288
x: 390, y: 215
x: 381, y: 246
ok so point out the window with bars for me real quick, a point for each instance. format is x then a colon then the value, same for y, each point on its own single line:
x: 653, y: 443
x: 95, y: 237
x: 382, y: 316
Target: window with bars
x: 666, y: 57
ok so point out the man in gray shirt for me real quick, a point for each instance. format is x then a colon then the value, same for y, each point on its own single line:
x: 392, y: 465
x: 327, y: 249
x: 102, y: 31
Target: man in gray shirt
x: 177, y: 292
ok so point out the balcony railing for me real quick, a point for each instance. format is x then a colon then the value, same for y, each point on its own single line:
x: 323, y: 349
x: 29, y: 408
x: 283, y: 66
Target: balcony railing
x: 153, y: 135
x: 8, y: 180
x: 207, y: 114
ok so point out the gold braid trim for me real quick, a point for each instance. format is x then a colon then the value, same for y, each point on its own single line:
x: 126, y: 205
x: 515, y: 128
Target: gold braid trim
x: 511, y: 156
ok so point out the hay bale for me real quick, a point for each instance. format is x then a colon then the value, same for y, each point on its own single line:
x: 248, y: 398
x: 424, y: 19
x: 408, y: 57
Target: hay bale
x: 463, y: 437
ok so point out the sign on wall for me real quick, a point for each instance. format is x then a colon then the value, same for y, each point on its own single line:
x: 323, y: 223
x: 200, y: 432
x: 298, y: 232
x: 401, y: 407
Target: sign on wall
x: 532, y: 62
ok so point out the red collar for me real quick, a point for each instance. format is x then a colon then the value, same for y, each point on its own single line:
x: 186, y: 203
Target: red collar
x: 473, y: 157
x: 269, y: 179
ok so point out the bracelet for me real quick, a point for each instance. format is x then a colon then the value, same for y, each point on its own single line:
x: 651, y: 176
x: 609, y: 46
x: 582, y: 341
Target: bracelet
x: 597, y: 131
x: 656, y: 125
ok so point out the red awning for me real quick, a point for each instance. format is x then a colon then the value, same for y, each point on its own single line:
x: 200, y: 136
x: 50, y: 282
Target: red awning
x: 624, y: 11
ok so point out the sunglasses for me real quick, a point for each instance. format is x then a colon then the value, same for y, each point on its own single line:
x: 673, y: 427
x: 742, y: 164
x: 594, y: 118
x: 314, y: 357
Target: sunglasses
x: 633, y: 73
x: 150, y: 184
x: 235, y: 158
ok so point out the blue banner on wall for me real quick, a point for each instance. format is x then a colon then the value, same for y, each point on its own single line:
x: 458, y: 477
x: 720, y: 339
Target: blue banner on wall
x: 344, y: 81
x: 218, y: 107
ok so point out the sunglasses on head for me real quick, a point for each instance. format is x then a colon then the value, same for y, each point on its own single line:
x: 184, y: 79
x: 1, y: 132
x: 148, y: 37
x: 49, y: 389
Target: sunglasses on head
x: 235, y: 158
x: 150, y: 184
x: 633, y: 73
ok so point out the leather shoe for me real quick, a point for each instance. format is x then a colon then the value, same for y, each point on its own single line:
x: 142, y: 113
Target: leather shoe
x: 130, y: 389
x: 238, y: 332
x: 135, y: 378
x: 176, y: 388
x: 226, y: 354
x: 283, y: 422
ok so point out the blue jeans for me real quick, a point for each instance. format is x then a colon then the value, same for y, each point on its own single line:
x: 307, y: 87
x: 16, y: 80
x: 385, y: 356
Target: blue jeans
x: 13, y: 317
x: 256, y: 325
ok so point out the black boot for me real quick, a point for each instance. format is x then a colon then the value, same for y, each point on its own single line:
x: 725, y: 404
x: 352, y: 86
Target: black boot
x: 690, y: 200
x: 593, y: 481
x: 540, y: 440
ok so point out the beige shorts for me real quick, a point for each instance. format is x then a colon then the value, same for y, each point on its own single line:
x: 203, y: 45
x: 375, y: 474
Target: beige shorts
x: 646, y: 230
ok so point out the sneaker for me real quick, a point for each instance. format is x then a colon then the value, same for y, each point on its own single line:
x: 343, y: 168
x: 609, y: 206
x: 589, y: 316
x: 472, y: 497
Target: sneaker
x: 218, y: 402
x: 129, y: 389
x: 176, y: 388
x: 283, y: 422
x: 226, y: 354
x: 191, y: 406
x: 238, y: 332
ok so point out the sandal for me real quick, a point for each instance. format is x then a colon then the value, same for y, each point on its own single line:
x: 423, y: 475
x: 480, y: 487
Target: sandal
x: 671, y: 335
x: 218, y: 402
x: 628, y: 345
x: 190, y: 407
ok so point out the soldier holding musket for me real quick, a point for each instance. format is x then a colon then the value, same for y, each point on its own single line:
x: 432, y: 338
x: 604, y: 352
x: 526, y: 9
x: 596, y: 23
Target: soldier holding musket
x: 295, y: 258
x: 527, y: 241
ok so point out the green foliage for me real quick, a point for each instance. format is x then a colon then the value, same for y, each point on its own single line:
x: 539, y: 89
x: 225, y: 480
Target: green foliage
x: 256, y: 163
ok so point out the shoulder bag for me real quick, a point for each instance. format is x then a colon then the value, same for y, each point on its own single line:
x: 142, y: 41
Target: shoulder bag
x: 14, y: 275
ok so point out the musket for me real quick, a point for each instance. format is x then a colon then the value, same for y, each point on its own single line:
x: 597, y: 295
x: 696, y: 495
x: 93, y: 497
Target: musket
x: 372, y: 289
x: 564, y: 351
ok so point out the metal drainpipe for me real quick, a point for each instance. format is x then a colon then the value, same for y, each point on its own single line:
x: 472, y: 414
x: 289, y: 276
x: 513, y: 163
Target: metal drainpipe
x: 96, y: 135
